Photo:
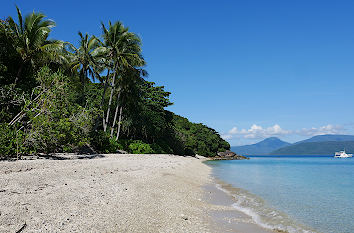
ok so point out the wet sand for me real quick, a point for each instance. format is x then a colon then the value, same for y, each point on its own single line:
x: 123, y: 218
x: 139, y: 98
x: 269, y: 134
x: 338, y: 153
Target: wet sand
x: 224, y: 217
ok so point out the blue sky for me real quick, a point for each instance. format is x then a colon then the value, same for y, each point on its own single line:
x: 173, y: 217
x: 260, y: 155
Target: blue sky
x: 249, y: 69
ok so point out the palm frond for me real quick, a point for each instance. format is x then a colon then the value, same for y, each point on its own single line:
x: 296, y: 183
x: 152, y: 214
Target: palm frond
x: 14, y: 27
x: 20, y: 20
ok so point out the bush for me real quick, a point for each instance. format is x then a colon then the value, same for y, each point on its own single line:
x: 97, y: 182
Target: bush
x: 102, y: 142
x: 50, y: 134
x: 8, y: 141
x: 99, y: 140
x: 188, y: 151
x: 161, y: 148
x: 157, y: 149
x: 113, y: 146
x: 59, y: 126
x: 138, y: 147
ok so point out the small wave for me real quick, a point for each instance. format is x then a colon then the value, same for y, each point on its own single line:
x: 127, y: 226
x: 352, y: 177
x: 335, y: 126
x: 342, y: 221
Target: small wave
x: 260, y: 213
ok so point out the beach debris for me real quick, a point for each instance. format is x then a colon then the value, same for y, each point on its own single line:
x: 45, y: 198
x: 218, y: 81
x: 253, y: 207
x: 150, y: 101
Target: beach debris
x: 121, y: 152
x: 199, y: 157
x: 184, y: 217
x: 280, y: 231
x: 86, y: 149
x: 22, y: 228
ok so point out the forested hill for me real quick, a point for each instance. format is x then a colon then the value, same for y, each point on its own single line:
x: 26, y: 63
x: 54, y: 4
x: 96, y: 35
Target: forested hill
x: 316, y: 148
x: 316, y: 145
x: 328, y: 137
x: 199, y: 138
x: 55, y: 97
x: 261, y: 148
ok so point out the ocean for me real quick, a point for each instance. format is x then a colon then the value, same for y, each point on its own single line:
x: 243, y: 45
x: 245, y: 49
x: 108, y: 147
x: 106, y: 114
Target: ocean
x: 292, y: 193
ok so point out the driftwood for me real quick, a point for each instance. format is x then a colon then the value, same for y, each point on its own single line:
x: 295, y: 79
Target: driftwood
x: 22, y: 228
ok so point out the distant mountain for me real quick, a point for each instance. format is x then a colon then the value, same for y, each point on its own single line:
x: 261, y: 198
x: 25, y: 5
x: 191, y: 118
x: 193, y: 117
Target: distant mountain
x: 328, y: 137
x: 315, y: 148
x: 261, y: 148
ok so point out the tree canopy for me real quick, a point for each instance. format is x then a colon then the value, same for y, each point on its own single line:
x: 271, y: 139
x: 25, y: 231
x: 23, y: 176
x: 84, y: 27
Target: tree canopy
x: 55, y: 97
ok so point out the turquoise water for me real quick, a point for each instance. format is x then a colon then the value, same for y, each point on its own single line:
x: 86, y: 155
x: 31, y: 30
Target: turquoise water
x: 291, y: 193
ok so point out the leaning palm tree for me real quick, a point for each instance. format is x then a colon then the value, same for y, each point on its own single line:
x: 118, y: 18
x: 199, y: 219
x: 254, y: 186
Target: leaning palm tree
x: 29, y: 38
x: 129, y: 93
x: 123, y: 51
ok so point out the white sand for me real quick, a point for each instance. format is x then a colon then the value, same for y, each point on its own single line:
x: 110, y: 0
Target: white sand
x: 117, y: 193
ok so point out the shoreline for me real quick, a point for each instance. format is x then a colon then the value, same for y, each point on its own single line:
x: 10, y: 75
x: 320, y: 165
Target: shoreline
x: 115, y: 193
x: 226, y: 218
x: 255, y: 210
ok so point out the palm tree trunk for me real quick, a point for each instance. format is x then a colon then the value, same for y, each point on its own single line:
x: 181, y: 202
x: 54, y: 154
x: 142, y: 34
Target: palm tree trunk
x: 109, y: 103
x: 115, y: 116
x: 82, y: 77
x: 106, y: 81
x: 119, y: 122
x: 18, y: 73
x: 105, y: 88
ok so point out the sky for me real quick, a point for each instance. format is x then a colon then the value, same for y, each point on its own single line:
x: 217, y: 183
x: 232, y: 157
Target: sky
x: 249, y: 69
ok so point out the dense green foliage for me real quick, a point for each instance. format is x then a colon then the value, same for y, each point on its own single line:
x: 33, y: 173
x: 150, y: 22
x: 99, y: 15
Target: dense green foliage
x: 9, y: 140
x: 55, y: 97
x: 199, y: 138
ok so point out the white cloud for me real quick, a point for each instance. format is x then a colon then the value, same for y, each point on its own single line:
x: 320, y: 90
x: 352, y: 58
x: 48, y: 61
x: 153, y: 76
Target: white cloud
x: 256, y: 131
x: 259, y: 132
x: 233, y: 130
x: 226, y: 136
x: 327, y: 129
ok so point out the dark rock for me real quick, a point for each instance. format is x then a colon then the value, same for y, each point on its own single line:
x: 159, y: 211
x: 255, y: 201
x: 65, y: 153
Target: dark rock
x: 228, y: 155
x: 86, y: 150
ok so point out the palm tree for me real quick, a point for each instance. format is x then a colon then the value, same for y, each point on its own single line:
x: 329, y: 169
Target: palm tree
x: 85, y: 59
x: 29, y: 38
x: 123, y: 51
x: 129, y: 93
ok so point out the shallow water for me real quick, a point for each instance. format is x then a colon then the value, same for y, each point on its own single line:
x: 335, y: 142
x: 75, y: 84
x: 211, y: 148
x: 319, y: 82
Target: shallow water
x: 290, y: 193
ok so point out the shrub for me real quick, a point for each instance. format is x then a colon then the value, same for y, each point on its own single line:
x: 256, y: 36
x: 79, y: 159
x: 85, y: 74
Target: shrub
x: 9, y: 141
x: 56, y: 124
x: 113, y: 146
x: 51, y: 135
x: 138, y: 147
x: 102, y: 142
x: 99, y: 140
x: 157, y: 149
x: 161, y: 148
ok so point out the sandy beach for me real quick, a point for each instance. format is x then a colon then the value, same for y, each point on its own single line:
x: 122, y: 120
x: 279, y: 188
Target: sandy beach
x: 115, y: 193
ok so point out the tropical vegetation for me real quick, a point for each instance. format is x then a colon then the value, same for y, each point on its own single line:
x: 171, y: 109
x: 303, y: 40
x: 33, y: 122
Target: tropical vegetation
x: 55, y: 97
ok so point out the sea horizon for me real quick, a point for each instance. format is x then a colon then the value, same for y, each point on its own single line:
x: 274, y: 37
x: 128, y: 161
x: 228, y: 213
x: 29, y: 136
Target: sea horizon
x: 291, y: 193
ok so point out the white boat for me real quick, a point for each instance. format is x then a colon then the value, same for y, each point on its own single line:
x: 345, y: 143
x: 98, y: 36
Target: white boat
x: 342, y: 154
